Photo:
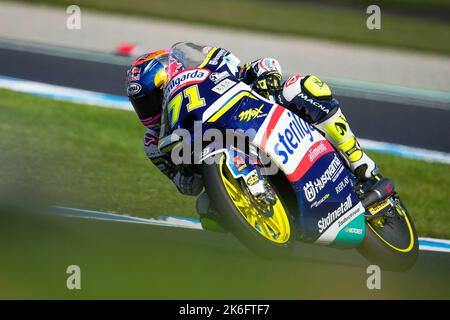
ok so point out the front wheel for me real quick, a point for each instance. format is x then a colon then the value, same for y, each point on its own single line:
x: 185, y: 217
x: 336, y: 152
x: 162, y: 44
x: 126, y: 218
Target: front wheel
x: 391, y: 239
x: 268, y: 235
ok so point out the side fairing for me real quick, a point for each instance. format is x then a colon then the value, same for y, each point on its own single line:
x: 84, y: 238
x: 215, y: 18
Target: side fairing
x: 329, y: 210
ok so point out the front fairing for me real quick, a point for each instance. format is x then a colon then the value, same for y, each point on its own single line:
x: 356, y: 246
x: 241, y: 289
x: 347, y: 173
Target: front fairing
x: 208, y: 75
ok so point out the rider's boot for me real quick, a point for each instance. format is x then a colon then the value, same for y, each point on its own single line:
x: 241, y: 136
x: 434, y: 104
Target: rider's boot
x: 338, y: 132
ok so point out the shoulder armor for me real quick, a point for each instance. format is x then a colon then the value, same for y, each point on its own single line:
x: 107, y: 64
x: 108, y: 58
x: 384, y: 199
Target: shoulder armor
x: 292, y: 87
x: 316, y: 87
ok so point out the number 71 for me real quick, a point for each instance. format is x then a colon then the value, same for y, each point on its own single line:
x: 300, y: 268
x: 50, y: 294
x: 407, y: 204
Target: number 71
x: 174, y: 105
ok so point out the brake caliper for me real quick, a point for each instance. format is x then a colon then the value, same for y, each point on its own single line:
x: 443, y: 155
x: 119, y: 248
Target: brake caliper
x: 254, y: 184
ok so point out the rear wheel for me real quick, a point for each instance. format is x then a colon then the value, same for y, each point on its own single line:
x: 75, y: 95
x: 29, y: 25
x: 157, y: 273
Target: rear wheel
x: 391, y: 239
x: 267, y: 231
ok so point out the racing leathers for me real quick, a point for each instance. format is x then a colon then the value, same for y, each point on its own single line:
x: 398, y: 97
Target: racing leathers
x: 307, y: 96
x: 188, y: 184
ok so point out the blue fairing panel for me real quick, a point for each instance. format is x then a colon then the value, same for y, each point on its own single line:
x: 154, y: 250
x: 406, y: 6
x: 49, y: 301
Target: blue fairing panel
x: 328, y: 203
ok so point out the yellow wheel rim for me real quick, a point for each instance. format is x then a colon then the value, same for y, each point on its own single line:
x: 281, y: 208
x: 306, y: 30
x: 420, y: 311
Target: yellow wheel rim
x: 275, y: 228
x: 410, y: 231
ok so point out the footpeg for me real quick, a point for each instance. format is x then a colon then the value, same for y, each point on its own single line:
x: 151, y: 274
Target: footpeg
x: 379, y: 191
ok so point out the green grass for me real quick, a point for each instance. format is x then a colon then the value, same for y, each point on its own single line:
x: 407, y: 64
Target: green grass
x: 337, y: 23
x: 82, y: 157
x: 414, y: 6
x: 92, y: 158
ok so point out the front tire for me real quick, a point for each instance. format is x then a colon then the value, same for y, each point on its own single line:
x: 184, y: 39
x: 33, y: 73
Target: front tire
x: 393, y: 243
x: 267, y: 237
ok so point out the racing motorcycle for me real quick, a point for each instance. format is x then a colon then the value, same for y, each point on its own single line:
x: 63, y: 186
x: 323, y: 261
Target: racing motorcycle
x: 313, y: 197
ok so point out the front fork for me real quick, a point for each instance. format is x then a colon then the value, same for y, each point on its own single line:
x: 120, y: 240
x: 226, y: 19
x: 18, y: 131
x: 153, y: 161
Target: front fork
x: 247, y: 169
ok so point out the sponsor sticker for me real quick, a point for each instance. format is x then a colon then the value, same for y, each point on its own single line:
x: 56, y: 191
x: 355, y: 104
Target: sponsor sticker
x: 315, y: 152
x: 288, y: 139
x: 317, y: 203
x: 353, y: 230
x: 251, y: 114
x: 216, y: 77
x: 135, y: 74
x: 355, y: 211
x: 342, y: 185
x: 341, y: 126
x: 150, y: 139
x: 231, y: 61
x: 291, y: 81
x: 215, y: 60
x: 252, y: 180
x: 267, y: 65
x: 292, y: 137
x: 379, y: 206
x: 223, y: 86
x: 133, y: 88
x: 185, y: 78
x: 173, y: 67
x: 332, y: 216
x: 313, y: 188
x: 309, y: 100
x: 239, y: 163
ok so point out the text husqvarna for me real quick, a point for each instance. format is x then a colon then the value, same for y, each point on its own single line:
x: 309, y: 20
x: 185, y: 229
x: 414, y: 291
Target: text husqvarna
x: 312, y: 188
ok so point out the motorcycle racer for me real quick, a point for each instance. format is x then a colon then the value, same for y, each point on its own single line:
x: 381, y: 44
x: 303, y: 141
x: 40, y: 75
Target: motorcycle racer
x: 145, y: 80
x: 307, y: 96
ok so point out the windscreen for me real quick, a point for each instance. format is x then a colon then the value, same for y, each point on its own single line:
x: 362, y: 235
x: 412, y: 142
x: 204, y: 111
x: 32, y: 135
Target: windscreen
x: 186, y: 55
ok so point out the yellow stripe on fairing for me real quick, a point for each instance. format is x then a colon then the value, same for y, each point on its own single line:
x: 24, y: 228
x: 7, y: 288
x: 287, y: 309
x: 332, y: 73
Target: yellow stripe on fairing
x: 208, y: 57
x: 229, y: 105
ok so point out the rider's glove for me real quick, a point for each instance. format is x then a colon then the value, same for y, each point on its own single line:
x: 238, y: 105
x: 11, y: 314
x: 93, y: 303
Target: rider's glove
x: 161, y: 160
x: 268, y: 84
x: 188, y: 185
x: 264, y: 75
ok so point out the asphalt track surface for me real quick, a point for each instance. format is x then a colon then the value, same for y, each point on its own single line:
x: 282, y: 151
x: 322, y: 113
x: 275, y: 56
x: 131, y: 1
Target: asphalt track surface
x: 381, y: 121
